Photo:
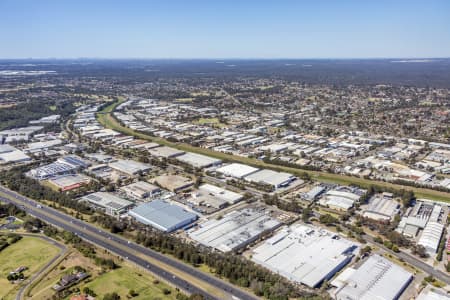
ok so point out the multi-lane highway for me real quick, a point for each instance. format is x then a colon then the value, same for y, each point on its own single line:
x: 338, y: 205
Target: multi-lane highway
x: 177, y: 273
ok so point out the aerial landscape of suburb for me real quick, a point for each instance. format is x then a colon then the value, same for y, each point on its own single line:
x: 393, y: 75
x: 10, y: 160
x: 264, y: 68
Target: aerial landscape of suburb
x: 235, y: 150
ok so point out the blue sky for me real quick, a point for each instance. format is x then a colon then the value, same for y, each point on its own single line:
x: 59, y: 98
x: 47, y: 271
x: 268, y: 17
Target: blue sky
x: 224, y: 29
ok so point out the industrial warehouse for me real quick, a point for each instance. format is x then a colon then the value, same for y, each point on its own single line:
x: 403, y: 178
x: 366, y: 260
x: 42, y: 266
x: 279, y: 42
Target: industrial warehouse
x: 110, y: 203
x: 341, y: 198
x: 70, y: 181
x: 10, y: 154
x: 165, y: 152
x: 235, y: 229
x: 129, y: 167
x: 376, y: 278
x: 382, y: 207
x: 140, y: 190
x: 271, y: 178
x: 64, y: 165
x: 163, y: 215
x: 305, y: 254
x: 198, y: 161
x: 236, y: 170
x: 210, y: 198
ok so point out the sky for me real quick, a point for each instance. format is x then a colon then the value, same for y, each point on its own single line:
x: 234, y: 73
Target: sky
x: 224, y: 29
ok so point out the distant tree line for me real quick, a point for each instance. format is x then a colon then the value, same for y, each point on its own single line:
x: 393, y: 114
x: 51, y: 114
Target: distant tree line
x: 21, y: 114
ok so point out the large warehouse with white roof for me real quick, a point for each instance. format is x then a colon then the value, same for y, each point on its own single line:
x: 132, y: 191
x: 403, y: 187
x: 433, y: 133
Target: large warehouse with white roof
x: 129, y: 167
x: 272, y: 178
x: 236, y: 170
x: 305, y: 254
x: 235, y: 230
x: 198, y: 161
x: 376, y: 278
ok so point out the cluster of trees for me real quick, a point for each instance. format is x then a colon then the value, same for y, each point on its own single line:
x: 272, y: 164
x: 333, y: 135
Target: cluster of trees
x: 282, y: 204
x: 236, y: 269
x: 406, y: 196
x: 15, y: 276
x: 304, y: 176
x: 29, y: 187
x: 87, y: 250
x: 11, y: 210
x: 23, y: 113
x: 9, y: 239
x: 441, y: 247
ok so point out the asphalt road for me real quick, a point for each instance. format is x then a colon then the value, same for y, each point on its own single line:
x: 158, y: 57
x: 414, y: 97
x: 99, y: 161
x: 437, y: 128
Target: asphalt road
x: 413, y: 261
x: 126, y: 249
x: 63, y: 251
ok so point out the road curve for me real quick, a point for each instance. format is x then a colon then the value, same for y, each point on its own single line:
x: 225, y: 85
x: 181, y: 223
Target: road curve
x: 413, y: 261
x: 126, y: 249
x: 63, y: 251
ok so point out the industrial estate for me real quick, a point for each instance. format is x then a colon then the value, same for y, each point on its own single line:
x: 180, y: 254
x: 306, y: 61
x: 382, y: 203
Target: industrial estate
x: 184, y: 187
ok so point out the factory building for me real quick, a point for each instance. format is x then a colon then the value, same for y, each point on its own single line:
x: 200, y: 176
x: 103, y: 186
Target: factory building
x: 163, y: 215
x: 226, y: 195
x: 274, y: 179
x: 141, y: 190
x: 236, y: 170
x: 165, y: 152
x: 431, y: 236
x: 314, y: 193
x: 129, y: 167
x: 339, y: 199
x: 198, y: 161
x: 376, y: 278
x: 42, y: 146
x: 382, y: 207
x: 70, y: 181
x: 64, y: 165
x: 10, y: 154
x: 212, y: 196
x: 235, y: 229
x: 305, y: 254
x: 110, y: 203
x: 18, y: 134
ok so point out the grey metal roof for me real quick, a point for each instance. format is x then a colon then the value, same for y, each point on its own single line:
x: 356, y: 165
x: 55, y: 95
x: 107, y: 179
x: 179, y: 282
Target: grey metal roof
x: 376, y: 278
x: 162, y: 215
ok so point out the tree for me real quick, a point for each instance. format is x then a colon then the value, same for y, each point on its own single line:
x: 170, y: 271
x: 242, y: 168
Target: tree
x: 88, y: 291
x: 328, y: 219
x: 111, y: 296
x: 420, y: 251
x: 306, y: 214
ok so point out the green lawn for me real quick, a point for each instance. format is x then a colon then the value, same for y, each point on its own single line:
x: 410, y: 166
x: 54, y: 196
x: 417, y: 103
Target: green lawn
x: 31, y: 252
x: 125, y: 278
x: 109, y: 121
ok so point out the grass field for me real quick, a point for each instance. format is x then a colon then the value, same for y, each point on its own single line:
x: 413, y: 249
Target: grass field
x: 31, y: 252
x: 214, y: 122
x: 127, y: 277
x: 109, y: 121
